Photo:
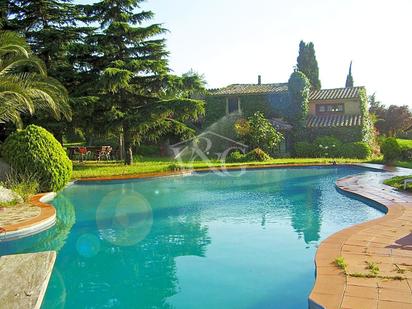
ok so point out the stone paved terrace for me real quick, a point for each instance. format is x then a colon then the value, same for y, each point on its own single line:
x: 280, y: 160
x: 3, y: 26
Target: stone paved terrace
x: 25, y: 220
x: 16, y: 214
x: 24, y: 279
x: 384, y: 244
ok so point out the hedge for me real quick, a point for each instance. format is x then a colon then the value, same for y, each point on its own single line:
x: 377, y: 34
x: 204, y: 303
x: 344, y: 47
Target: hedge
x: 358, y: 150
x: 35, y: 151
x: 391, y: 150
x: 406, y: 149
x: 331, y: 147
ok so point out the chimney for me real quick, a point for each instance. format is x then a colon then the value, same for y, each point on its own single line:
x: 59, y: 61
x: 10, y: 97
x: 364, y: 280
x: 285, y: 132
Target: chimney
x: 259, y: 80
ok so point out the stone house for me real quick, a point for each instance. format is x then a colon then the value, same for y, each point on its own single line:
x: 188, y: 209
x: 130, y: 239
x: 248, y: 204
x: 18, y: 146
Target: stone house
x: 340, y: 112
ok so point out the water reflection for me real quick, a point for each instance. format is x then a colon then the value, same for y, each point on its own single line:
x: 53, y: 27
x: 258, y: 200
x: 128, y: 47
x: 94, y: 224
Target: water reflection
x: 51, y: 239
x: 145, y: 272
x: 306, y: 219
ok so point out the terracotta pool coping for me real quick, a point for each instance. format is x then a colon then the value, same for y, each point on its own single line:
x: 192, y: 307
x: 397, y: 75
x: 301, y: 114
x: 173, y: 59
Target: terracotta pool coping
x: 386, y: 242
x: 44, y: 220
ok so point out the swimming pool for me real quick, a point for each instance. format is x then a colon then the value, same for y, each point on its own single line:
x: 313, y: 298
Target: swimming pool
x: 201, y: 241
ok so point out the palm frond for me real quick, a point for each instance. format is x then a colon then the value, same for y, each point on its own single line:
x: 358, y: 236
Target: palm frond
x: 22, y: 92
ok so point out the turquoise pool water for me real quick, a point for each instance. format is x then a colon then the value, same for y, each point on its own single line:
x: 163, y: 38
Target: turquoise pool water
x: 201, y: 241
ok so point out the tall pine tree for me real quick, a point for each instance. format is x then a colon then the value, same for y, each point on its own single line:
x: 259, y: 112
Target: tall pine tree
x: 308, y: 65
x: 51, y: 27
x: 349, y: 78
x: 136, y: 91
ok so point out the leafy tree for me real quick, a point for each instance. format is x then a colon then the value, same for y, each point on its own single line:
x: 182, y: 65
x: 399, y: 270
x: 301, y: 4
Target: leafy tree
x: 298, y: 87
x: 349, y: 78
x: 376, y: 107
x: 137, y: 94
x: 389, y: 120
x: 24, y: 84
x: 377, y: 112
x: 257, y: 132
x: 308, y: 65
x: 396, y: 120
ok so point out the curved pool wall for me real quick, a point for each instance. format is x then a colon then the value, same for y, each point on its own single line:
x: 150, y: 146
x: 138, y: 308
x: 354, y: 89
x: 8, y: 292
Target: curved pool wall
x: 246, y: 240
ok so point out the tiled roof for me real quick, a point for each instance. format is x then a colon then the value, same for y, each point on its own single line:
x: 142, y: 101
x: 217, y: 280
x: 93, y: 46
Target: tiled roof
x: 326, y: 121
x: 337, y: 93
x: 237, y: 89
x: 324, y: 94
x: 280, y: 124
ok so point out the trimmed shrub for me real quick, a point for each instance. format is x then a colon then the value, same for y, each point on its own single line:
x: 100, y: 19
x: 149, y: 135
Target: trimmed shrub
x: 304, y: 150
x: 406, y: 149
x: 357, y: 150
x: 391, y: 150
x: 235, y: 156
x: 257, y: 154
x: 35, y: 151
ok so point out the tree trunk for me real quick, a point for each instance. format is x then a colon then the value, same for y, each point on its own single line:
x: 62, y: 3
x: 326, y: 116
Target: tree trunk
x: 121, y: 147
x: 128, y: 158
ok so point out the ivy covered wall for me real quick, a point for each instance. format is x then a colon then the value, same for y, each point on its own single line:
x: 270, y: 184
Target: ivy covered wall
x: 272, y: 106
x: 266, y: 104
x: 214, y: 110
x: 277, y: 105
x: 367, y: 125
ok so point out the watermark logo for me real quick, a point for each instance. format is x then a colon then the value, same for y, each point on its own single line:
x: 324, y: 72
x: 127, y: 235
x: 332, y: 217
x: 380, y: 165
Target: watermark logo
x: 208, y: 149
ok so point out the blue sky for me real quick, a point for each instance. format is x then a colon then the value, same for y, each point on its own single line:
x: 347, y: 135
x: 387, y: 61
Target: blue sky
x: 232, y: 41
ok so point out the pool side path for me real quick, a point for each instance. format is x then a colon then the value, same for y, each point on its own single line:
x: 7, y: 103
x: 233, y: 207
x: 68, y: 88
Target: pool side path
x: 24, y: 279
x: 378, y: 253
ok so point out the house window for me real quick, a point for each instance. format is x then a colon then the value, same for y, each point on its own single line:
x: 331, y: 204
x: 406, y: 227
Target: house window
x: 330, y: 108
x: 232, y: 105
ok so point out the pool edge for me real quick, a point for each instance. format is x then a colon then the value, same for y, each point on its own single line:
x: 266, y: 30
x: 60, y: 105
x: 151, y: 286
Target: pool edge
x: 331, y: 288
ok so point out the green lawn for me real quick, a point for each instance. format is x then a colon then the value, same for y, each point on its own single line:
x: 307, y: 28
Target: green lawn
x: 407, y: 143
x: 406, y: 164
x: 397, y: 182
x: 147, y: 165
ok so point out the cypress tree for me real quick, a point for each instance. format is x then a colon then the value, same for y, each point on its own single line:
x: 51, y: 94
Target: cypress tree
x: 349, y: 78
x: 308, y: 65
x: 298, y: 88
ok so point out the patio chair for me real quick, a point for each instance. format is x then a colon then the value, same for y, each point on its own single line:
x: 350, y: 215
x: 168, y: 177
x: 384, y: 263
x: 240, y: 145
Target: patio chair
x: 104, y: 153
x: 82, y: 153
